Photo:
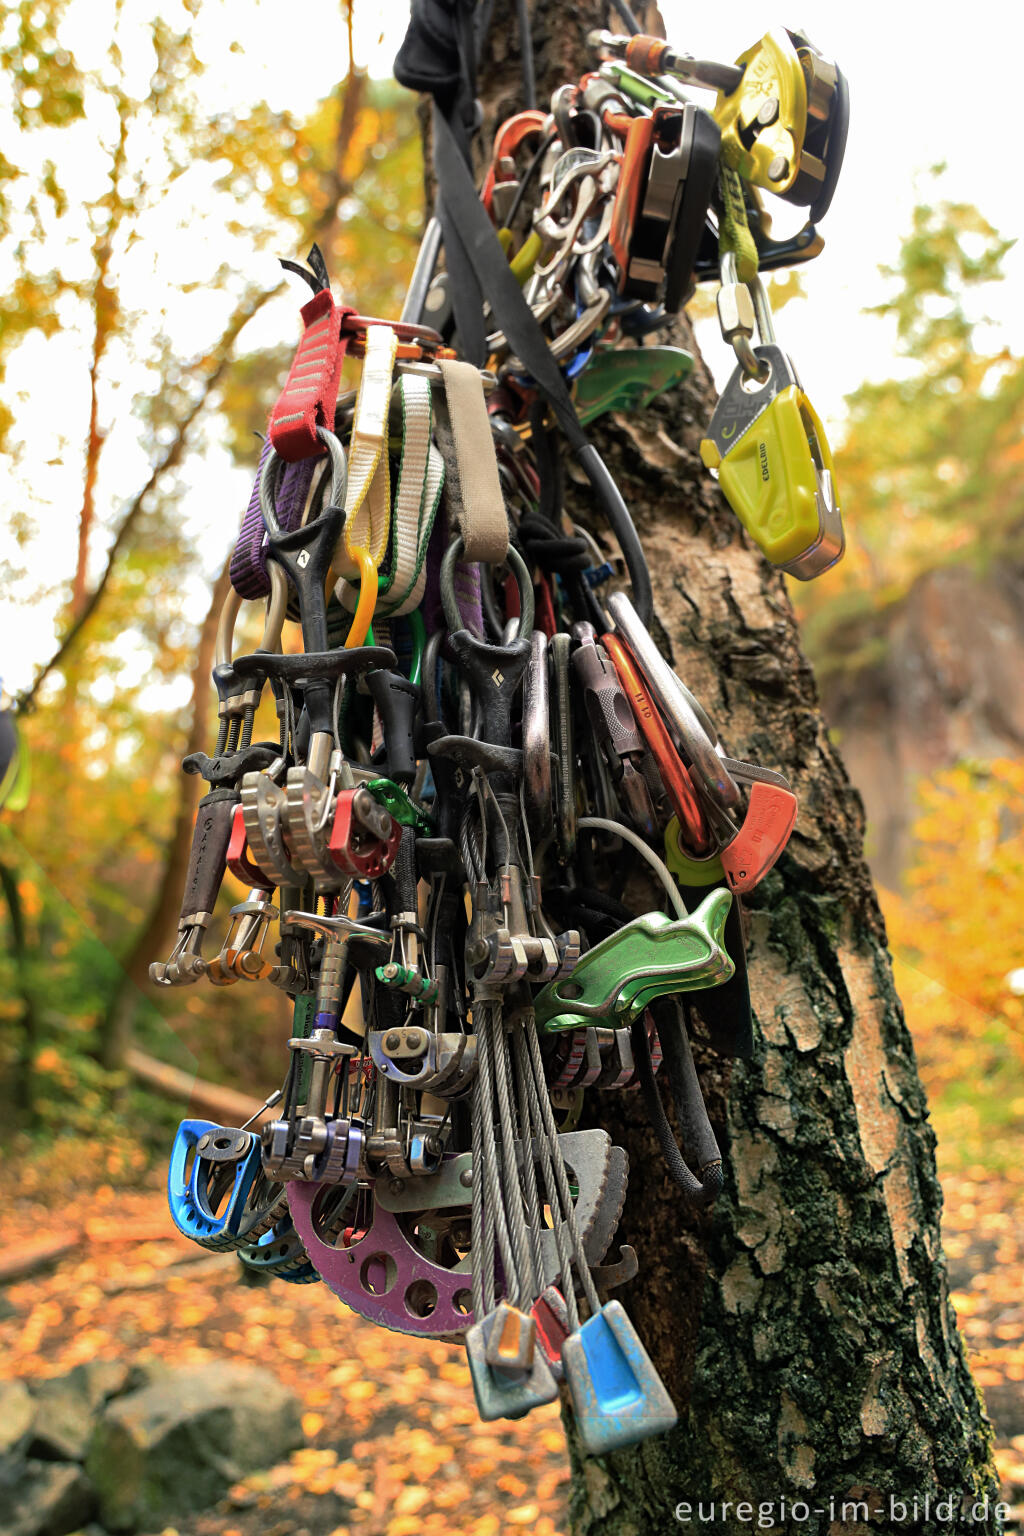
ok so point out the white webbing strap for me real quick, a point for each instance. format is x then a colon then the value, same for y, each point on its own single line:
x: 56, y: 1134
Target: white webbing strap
x: 417, y: 495
x: 368, y: 495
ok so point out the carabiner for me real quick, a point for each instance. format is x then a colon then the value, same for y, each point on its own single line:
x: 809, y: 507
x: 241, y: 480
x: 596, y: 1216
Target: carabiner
x: 339, y: 481
x: 678, y: 784
x: 675, y: 701
x: 520, y: 572
x: 366, y: 600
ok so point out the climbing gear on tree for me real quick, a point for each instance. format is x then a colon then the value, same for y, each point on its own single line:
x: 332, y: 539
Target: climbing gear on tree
x: 495, y: 855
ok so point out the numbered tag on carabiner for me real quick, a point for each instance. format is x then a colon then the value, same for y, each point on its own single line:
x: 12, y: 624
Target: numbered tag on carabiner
x: 775, y: 467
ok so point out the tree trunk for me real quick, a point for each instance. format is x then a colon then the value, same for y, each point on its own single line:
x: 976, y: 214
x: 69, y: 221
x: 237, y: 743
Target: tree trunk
x: 22, y: 1098
x: 117, y: 1026
x: 804, y: 1327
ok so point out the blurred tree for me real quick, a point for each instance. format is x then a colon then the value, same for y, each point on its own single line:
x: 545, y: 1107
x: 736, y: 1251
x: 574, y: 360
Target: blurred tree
x: 931, y: 463
x: 133, y: 203
x: 967, y: 953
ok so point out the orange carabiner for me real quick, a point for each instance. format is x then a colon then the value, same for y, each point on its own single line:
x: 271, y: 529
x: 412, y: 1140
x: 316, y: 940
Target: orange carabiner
x: 678, y: 784
x: 367, y: 600
x: 507, y: 141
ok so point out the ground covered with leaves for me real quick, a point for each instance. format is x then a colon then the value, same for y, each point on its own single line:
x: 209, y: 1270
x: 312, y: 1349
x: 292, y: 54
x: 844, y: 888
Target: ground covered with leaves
x: 394, y: 1446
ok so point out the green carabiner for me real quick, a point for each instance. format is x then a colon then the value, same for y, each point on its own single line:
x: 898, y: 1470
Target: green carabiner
x: 398, y: 805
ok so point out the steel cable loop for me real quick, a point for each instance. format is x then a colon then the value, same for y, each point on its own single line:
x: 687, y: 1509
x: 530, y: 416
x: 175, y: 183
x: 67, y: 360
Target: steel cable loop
x: 490, y: 1240
x: 691, y: 1111
x: 510, y: 1168
x: 482, y: 1258
x: 677, y: 1167
x: 558, y: 1165
x: 469, y: 847
x: 660, y: 868
x: 562, y: 1243
x: 528, y: 1132
x: 492, y: 1184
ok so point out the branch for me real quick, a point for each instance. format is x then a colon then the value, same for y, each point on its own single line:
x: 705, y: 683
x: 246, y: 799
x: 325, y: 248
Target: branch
x: 351, y: 94
x: 223, y: 355
x: 226, y: 1104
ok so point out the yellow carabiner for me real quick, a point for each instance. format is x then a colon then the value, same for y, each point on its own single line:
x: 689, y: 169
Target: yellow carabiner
x: 367, y: 598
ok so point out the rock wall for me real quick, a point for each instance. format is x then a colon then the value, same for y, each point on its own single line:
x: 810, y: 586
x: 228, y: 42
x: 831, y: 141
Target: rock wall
x: 946, y: 683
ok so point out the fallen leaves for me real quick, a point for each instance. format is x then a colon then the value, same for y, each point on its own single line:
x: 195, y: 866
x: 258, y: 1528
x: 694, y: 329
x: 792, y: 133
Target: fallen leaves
x: 395, y: 1444
x: 395, y: 1447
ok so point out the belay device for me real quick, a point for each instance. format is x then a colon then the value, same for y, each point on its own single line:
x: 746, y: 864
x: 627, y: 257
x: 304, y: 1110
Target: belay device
x: 478, y: 740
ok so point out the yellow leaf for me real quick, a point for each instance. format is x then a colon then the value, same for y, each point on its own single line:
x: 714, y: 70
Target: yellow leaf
x: 411, y: 1499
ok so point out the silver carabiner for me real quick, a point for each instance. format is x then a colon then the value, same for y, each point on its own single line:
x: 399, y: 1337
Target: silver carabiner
x: 339, y: 480
x: 675, y: 699
x: 742, y: 308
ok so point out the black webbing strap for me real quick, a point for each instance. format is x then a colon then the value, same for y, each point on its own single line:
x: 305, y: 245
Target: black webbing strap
x: 467, y: 225
x: 439, y: 55
x: 471, y: 243
x: 725, y: 1010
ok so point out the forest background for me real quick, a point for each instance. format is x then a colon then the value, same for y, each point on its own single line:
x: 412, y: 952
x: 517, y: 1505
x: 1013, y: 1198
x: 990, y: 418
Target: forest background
x: 151, y: 171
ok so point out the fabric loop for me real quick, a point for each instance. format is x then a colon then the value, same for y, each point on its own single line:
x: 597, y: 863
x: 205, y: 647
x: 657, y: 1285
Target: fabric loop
x: 368, y: 497
x: 477, y: 507
x: 417, y: 495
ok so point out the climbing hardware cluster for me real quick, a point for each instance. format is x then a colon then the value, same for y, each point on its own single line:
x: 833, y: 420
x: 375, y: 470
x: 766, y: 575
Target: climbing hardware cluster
x: 493, y: 854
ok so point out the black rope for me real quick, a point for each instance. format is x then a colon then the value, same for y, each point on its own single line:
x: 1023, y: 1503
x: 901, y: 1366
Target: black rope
x: 526, y: 48
x: 627, y: 16
x: 699, y: 1192
x: 528, y: 175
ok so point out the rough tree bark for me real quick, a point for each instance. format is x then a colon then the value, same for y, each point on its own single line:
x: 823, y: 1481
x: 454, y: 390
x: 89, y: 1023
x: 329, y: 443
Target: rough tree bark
x: 804, y: 1328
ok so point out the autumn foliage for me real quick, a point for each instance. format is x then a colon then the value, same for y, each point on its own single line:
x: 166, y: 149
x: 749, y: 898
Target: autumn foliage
x: 931, y: 472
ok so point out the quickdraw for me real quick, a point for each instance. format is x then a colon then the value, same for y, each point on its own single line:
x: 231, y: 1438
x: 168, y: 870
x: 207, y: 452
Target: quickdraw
x: 479, y: 739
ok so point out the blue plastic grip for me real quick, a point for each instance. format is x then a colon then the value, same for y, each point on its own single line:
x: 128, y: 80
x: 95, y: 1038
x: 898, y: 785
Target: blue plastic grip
x: 186, y: 1196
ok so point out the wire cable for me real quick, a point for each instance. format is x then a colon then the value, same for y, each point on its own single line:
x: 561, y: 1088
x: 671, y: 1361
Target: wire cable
x: 602, y: 824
